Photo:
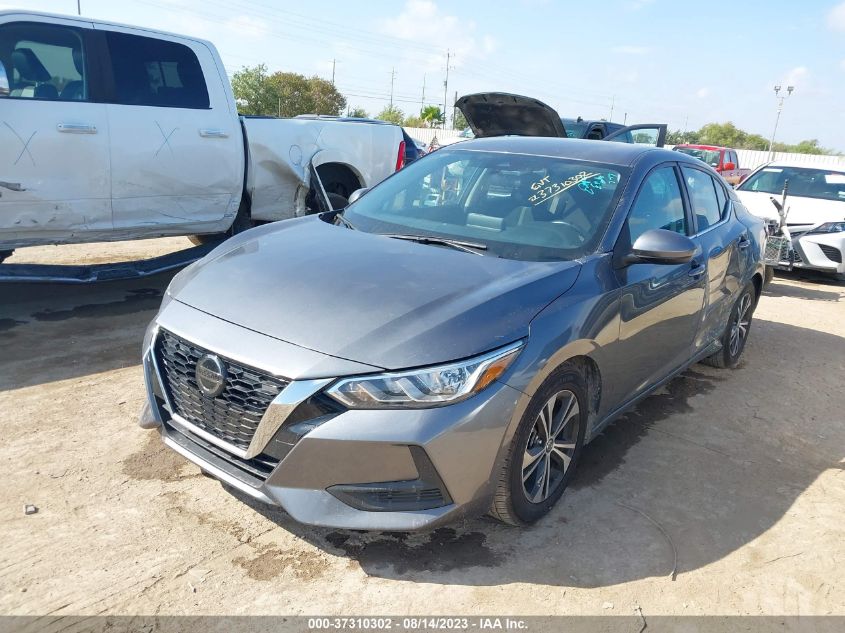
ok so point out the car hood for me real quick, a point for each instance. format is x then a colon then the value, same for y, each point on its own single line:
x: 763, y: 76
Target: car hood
x: 802, y: 211
x: 501, y: 114
x: 375, y: 300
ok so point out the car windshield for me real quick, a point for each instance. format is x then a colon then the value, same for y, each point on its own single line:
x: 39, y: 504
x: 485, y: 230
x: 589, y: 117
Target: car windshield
x: 525, y: 207
x: 709, y: 156
x: 806, y: 182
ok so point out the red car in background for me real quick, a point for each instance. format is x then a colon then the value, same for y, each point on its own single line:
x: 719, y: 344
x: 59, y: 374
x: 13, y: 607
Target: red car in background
x: 723, y: 159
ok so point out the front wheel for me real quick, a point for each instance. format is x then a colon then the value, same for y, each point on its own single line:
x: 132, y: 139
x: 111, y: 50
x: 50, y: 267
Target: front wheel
x: 736, y: 332
x: 544, y: 450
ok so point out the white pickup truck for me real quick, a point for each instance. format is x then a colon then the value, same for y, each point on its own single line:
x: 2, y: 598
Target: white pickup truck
x: 111, y: 132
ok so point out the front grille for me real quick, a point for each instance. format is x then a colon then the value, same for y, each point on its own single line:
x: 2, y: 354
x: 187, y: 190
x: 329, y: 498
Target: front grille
x: 233, y: 416
x: 796, y: 257
x: 831, y: 252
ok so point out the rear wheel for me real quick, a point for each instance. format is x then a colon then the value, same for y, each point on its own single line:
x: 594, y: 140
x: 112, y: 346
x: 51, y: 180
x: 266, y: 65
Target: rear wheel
x: 736, y: 332
x: 544, y: 451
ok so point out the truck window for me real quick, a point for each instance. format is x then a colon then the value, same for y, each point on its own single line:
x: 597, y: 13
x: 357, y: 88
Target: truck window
x: 43, y: 61
x: 154, y: 72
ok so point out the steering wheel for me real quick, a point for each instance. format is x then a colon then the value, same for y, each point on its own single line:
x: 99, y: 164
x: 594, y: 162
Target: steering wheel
x: 581, y: 236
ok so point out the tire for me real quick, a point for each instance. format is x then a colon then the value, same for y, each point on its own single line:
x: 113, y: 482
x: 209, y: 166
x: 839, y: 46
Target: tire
x: 5, y: 255
x: 768, y: 275
x: 337, y: 201
x: 241, y: 223
x: 523, y: 495
x: 736, y: 331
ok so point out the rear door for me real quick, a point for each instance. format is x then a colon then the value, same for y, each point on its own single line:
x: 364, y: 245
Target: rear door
x: 176, y: 144
x: 653, y: 134
x: 721, y: 242
x: 54, y: 134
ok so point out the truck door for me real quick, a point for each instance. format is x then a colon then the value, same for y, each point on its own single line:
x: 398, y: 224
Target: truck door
x: 176, y: 145
x: 54, y: 135
x: 653, y: 134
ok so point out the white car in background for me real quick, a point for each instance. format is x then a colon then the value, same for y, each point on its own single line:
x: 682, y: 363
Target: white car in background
x: 814, y: 211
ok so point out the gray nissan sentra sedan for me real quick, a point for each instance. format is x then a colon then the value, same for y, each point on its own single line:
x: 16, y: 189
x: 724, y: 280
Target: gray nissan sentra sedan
x: 447, y: 344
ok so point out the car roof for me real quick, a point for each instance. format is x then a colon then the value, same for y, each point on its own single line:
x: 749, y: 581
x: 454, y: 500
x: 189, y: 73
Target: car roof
x: 598, y: 151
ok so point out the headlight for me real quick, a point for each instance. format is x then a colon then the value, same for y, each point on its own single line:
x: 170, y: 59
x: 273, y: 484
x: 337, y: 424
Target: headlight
x: 424, y: 388
x: 829, y: 227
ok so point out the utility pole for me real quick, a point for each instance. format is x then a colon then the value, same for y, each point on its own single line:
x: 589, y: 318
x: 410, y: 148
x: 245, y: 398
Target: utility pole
x: 392, y: 77
x: 780, y: 98
x: 422, y: 100
x: 334, y: 63
x: 446, y: 87
x: 78, y: 7
x: 454, y: 109
x: 612, y: 104
x: 625, y: 120
x: 686, y: 121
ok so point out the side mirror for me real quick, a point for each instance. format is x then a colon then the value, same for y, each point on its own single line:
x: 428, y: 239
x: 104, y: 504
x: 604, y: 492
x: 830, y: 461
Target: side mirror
x: 357, y: 194
x: 4, y: 81
x: 729, y: 166
x: 659, y: 246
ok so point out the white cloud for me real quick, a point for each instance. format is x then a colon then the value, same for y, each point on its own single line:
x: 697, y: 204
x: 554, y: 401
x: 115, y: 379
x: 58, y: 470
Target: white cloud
x: 842, y: 64
x: 795, y: 76
x: 836, y: 18
x: 423, y: 21
x: 630, y: 50
x: 701, y: 93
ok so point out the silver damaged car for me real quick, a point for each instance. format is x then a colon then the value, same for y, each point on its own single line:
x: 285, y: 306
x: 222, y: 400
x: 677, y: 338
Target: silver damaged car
x: 447, y: 344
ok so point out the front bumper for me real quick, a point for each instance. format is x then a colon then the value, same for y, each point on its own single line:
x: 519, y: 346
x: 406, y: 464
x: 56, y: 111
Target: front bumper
x: 354, y: 469
x: 814, y: 251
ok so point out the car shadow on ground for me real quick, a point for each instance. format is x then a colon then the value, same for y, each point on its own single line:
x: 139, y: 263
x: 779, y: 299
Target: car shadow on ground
x: 811, y: 289
x: 59, y: 331
x: 698, y: 470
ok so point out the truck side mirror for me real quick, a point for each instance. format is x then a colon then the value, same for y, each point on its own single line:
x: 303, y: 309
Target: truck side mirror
x: 729, y: 166
x: 4, y: 81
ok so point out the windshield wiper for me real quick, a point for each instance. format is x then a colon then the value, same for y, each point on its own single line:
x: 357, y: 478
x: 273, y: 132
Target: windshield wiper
x: 338, y: 215
x: 467, y: 247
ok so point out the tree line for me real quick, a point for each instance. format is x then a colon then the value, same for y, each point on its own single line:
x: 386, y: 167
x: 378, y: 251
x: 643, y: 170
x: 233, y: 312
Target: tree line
x: 728, y: 135
x: 259, y: 92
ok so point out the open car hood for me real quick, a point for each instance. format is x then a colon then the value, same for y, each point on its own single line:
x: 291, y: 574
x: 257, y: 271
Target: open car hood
x: 502, y: 114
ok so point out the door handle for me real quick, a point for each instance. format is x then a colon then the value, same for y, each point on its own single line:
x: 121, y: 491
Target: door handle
x: 77, y: 128
x: 743, y: 241
x: 214, y: 133
x: 697, y: 270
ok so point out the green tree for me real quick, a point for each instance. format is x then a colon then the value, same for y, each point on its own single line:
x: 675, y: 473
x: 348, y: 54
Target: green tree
x: 284, y: 94
x: 359, y: 112
x: 432, y: 116
x: 460, y: 121
x: 253, y: 91
x: 391, y: 114
x: 413, y: 121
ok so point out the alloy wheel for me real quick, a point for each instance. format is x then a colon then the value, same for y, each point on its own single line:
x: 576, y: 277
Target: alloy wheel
x: 739, y: 326
x: 551, y: 446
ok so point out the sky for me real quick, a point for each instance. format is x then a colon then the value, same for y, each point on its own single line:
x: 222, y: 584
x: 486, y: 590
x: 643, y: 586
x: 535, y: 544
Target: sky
x: 640, y: 61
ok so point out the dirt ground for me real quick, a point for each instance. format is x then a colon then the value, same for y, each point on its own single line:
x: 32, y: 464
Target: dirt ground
x: 738, y: 472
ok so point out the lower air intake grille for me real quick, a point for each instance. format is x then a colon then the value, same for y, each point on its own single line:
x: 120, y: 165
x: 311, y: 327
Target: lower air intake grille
x: 832, y: 253
x: 233, y: 416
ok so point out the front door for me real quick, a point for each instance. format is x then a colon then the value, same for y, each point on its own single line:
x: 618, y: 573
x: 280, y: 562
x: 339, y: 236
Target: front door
x: 660, y: 304
x: 54, y: 138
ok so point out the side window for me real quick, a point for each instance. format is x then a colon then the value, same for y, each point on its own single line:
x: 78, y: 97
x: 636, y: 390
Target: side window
x: 721, y: 198
x: 43, y: 61
x: 702, y: 195
x: 596, y: 133
x: 156, y: 72
x: 658, y: 205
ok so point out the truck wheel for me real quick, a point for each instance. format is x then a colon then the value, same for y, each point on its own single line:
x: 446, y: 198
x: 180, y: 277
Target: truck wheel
x: 5, y: 255
x: 242, y: 223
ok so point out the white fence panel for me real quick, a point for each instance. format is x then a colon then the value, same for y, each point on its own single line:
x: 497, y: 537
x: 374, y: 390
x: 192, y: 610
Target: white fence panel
x: 426, y: 134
